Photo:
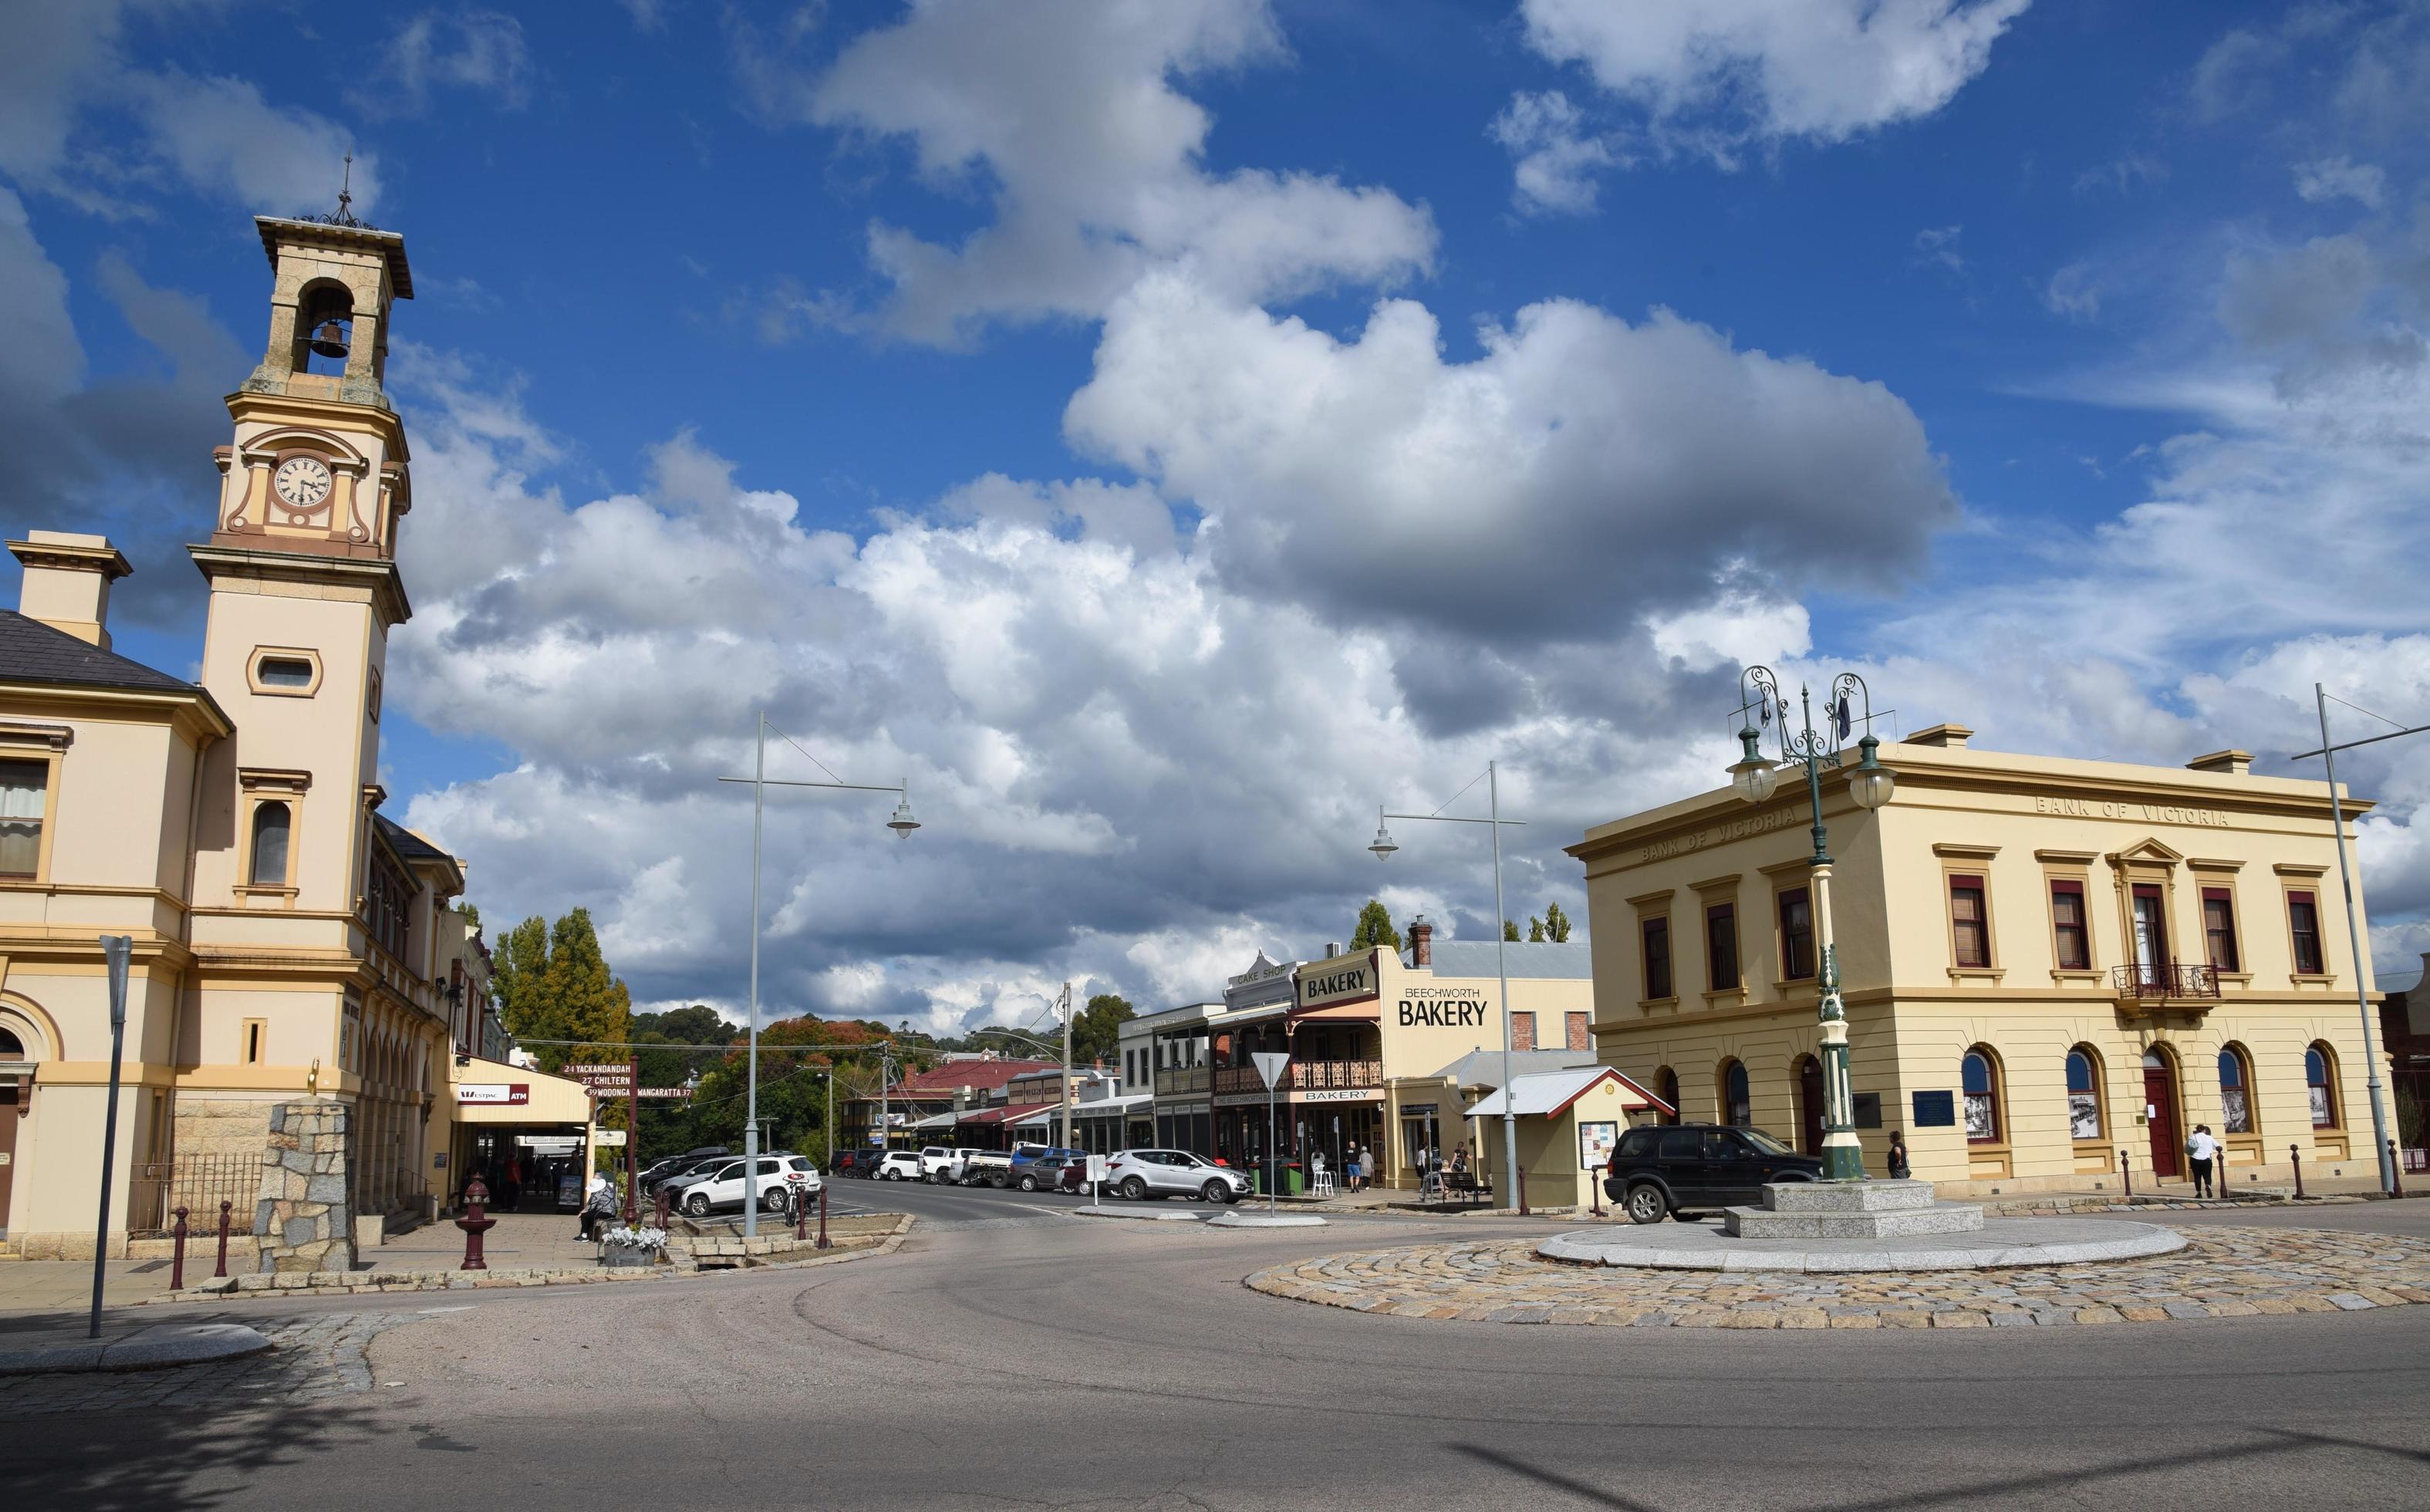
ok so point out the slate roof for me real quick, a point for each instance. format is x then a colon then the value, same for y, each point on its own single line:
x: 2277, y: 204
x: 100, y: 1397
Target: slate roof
x: 32, y: 652
x: 1470, y: 958
x: 409, y: 847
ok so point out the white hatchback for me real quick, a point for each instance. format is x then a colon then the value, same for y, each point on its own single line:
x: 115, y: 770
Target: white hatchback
x: 781, y: 1177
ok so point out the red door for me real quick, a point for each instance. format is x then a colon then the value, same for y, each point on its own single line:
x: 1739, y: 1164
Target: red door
x: 1809, y: 1107
x: 2160, y: 1100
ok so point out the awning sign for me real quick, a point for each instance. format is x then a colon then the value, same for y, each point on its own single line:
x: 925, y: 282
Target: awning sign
x: 494, y: 1094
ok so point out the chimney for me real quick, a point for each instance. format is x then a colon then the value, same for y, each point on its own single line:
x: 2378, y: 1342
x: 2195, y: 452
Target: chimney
x: 2234, y: 763
x: 1332, y: 948
x: 67, y: 582
x: 1422, y: 942
x: 1948, y: 736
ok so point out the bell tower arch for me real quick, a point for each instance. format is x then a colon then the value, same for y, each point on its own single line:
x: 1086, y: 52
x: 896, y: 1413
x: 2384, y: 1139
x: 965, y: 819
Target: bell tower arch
x: 301, y: 559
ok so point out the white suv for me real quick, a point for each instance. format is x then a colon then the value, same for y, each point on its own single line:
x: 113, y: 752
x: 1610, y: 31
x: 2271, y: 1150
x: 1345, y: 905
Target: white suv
x: 935, y: 1161
x: 1142, y: 1173
x: 781, y: 1177
x: 899, y: 1165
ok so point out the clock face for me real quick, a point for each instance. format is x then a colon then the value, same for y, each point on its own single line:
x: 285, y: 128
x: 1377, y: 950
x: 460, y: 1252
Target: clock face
x: 303, y: 482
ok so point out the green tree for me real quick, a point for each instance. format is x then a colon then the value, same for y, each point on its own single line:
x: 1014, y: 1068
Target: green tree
x: 1374, y: 928
x: 1510, y: 930
x: 1535, y: 930
x: 519, y: 970
x: 1097, y: 1032
x: 1557, y: 923
x: 472, y: 916
x: 593, y: 1005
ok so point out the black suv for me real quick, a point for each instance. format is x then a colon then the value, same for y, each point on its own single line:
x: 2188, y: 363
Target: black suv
x: 1657, y: 1172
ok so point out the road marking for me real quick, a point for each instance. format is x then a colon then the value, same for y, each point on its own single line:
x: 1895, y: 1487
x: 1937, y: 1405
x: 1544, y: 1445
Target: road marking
x: 463, y: 1308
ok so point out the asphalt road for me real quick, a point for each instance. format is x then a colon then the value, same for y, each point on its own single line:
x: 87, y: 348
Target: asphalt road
x: 1011, y: 1355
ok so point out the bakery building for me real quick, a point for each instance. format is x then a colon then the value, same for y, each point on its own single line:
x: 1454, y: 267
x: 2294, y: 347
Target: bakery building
x: 2054, y: 970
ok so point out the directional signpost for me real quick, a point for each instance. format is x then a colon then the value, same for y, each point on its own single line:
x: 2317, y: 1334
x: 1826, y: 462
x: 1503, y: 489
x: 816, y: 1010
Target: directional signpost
x: 1270, y: 1065
x: 612, y: 1079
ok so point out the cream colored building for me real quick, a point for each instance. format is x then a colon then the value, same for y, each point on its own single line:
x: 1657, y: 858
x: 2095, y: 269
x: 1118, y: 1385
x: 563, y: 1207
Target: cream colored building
x: 291, y: 942
x: 2051, y: 966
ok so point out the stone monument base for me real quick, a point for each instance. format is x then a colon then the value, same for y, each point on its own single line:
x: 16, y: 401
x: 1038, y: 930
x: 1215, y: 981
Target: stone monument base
x: 1850, y: 1210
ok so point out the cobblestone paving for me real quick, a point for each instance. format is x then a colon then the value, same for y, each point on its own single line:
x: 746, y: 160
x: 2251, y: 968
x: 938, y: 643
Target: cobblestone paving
x: 2222, y: 1272
x: 308, y: 1360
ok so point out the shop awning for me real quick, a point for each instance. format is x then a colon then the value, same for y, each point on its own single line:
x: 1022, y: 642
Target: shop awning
x: 491, y: 1092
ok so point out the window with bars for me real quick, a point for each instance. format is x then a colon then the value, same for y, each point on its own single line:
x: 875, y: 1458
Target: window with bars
x: 1657, y: 933
x: 2219, y: 928
x: 23, y: 787
x: 2304, y: 927
x: 2073, y: 939
x: 1969, y: 925
x: 1796, y: 935
x: 1721, y: 946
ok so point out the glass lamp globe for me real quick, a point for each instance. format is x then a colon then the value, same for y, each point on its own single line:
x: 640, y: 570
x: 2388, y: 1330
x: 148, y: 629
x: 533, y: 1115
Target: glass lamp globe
x: 1754, y: 778
x: 1871, y: 783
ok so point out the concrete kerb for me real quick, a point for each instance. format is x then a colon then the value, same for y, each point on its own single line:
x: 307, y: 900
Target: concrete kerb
x: 2003, y: 1244
x: 1142, y: 1215
x: 238, y: 1289
x: 147, y: 1349
x: 1231, y: 1219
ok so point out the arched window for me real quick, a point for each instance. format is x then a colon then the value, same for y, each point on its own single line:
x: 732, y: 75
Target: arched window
x: 1737, y: 1108
x: 1665, y: 1086
x: 12, y: 1048
x: 2319, y: 1079
x: 271, y: 822
x: 1981, y: 1081
x: 2234, y: 1090
x: 2083, y: 1094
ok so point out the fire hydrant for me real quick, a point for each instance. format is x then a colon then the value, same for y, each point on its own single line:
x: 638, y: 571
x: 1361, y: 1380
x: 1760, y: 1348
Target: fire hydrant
x: 474, y: 1223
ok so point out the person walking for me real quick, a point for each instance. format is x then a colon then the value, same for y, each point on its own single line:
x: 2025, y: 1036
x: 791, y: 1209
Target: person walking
x: 1900, y: 1171
x: 1351, y: 1168
x: 2202, y: 1149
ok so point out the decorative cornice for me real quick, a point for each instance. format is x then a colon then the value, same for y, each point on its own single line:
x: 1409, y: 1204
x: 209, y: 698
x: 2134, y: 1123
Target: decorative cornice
x: 377, y: 576
x: 73, y: 556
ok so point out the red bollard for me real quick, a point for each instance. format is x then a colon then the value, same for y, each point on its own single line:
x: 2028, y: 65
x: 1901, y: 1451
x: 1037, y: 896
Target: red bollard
x: 2395, y: 1170
x: 224, y: 1231
x: 177, y: 1264
x: 823, y: 1215
x: 1523, y: 1195
x: 2126, y: 1174
x: 474, y: 1223
x: 2295, y: 1158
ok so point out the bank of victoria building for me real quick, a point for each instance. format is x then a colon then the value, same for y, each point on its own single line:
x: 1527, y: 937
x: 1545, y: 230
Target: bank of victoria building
x: 2051, y: 967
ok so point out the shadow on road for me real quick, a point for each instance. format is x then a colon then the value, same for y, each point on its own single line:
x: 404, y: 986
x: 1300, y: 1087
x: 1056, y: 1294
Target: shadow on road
x: 160, y: 1460
x: 1596, y: 1495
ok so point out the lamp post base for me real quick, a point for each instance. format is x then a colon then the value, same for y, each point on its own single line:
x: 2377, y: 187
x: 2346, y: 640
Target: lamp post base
x: 1843, y: 1162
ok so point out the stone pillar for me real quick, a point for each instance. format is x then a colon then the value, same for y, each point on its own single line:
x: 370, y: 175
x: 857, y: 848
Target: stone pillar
x: 305, y: 1217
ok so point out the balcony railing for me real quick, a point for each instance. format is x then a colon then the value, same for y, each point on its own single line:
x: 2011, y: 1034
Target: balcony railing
x: 2164, y: 981
x: 1176, y: 1079
x: 1305, y: 1075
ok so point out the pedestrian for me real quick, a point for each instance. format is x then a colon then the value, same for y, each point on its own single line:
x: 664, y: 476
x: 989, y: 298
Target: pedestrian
x: 598, y: 1203
x: 2202, y: 1149
x: 1900, y: 1171
x: 1351, y: 1168
x: 1459, y: 1159
x: 513, y: 1196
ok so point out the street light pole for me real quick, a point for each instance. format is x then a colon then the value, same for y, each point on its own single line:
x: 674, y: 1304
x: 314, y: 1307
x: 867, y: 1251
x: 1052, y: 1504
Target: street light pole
x: 2328, y: 753
x: 902, y: 823
x: 1384, y: 846
x: 1755, y: 776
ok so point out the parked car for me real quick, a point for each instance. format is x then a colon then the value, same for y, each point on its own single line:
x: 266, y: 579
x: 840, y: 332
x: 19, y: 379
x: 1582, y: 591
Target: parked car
x: 934, y: 1158
x: 1658, y: 1172
x: 856, y: 1162
x: 1139, y: 1175
x: 687, y: 1169
x: 781, y: 1176
x: 1035, y: 1170
x: 677, y: 1165
x: 898, y: 1165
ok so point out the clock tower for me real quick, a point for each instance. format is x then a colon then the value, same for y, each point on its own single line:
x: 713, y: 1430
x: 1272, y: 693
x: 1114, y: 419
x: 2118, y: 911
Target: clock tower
x: 304, y: 583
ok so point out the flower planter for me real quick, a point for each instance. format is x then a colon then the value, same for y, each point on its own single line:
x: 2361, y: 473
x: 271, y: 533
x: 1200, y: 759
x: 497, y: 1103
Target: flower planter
x: 625, y: 1254
x: 626, y: 1247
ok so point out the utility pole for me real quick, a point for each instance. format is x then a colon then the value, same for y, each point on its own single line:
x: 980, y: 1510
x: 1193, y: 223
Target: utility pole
x: 1067, y: 1068
x: 118, y: 951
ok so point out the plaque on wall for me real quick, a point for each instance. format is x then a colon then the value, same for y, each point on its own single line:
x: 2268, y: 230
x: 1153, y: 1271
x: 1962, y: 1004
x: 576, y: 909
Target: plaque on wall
x: 1936, y: 1110
x: 1869, y: 1110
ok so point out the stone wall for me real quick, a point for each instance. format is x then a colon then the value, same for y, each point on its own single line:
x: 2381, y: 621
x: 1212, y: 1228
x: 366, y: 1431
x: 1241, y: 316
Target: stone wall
x: 221, y: 1127
x: 305, y: 1217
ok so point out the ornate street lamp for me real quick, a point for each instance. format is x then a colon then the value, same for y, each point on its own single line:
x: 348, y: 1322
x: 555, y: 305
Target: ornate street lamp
x: 1755, y: 777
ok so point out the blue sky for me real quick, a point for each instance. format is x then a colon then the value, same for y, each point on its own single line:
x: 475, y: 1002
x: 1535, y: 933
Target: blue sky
x: 1163, y: 431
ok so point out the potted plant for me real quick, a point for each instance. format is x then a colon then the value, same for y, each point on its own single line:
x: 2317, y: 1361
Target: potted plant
x: 624, y: 1245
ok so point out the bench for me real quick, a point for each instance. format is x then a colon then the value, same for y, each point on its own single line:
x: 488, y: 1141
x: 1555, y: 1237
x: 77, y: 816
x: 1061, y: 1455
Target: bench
x: 1465, y: 1184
